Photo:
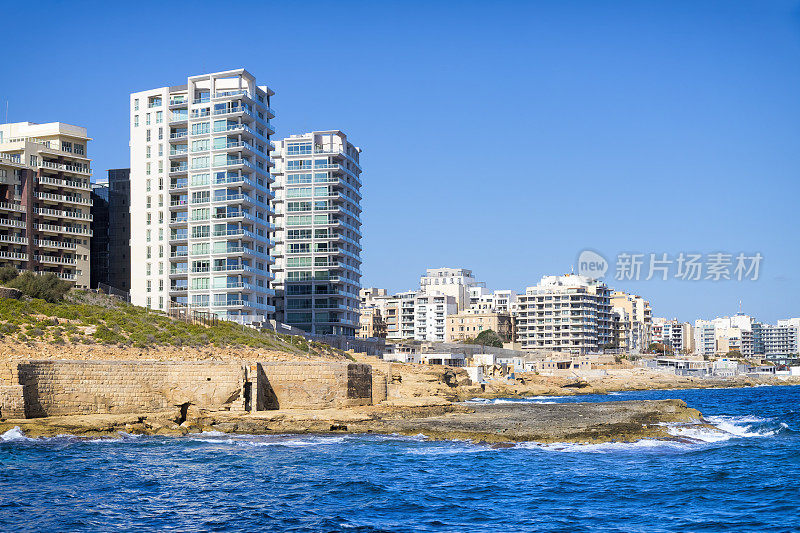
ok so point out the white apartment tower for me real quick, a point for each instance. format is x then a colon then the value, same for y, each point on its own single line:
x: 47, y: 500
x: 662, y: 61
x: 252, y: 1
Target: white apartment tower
x: 318, y: 234
x: 45, y: 199
x: 568, y: 313
x: 200, y: 196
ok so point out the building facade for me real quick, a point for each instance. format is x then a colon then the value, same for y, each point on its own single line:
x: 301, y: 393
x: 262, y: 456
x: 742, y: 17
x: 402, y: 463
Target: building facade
x: 318, y: 232
x: 633, y: 321
x: 200, y: 191
x: 469, y: 323
x: 45, y: 200
x: 111, y: 228
x: 569, y: 313
x: 455, y: 282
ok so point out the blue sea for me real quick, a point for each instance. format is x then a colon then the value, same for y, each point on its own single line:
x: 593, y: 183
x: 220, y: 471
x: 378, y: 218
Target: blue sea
x: 741, y: 475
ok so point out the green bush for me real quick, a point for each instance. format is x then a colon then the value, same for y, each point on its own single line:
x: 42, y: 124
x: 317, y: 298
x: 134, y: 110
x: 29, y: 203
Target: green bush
x: 106, y: 336
x: 7, y: 273
x: 47, y: 287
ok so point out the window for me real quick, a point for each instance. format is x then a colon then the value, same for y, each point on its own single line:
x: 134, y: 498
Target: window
x: 200, y: 179
x: 200, y: 128
x: 295, y: 234
x: 135, y: 120
x: 136, y: 104
x: 298, y: 148
x: 298, y: 220
x: 147, y: 135
x: 298, y: 192
x: 147, y: 169
x: 298, y: 179
x: 147, y: 151
x: 159, y: 117
x: 200, y: 162
x: 200, y: 146
x: 147, y: 119
x: 160, y: 134
x: 298, y: 164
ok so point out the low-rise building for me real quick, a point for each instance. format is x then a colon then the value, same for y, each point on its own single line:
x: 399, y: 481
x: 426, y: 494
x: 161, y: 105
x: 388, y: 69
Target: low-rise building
x: 469, y: 323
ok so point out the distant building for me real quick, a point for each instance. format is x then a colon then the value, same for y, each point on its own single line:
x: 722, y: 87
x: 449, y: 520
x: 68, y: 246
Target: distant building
x: 454, y: 282
x: 45, y: 200
x: 632, y: 320
x: 431, y: 310
x: 570, y: 313
x: 111, y: 225
x: 674, y: 334
x: 469, y: 323
x: 782, y: 339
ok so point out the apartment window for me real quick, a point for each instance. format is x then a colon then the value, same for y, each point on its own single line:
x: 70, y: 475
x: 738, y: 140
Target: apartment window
x: 147, y: 168
x: 159, y: 117
x: 160, y: 234
x: 149, y: 253
x: 147, y: 269
x: 161, y: 302
x: 160, y: 167
x: 201, y: 128
x: 148, y: 202
x: 160, y: 200
x: 148, y: 235
x: 135, y: 120
x: 147, y: 151
x: 298, y: 148
x: 148, y: 185
x: 147, y: 136
x: 160, y: 182
x: 160, y: 251
x: 161, y: 268
x: 147, y: 119
x: 136, y: 104
x: 298, y: 192
x: 149, y: 289
x: 201, y: 145
x: 200, y: 162
x: 160, y: 134
x: 161, y: 285
x: 149, y: 218
x: 149, y: 302
x: 160, y: 150
x: 201, y: 179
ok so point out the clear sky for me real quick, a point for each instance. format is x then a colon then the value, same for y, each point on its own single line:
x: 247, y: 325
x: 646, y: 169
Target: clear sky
x: 499, y: 136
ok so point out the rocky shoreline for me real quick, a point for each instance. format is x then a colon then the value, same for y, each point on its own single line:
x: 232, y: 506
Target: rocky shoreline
x: 506, y: 423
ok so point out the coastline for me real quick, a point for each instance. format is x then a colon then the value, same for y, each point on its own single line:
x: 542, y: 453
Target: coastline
x: 544, y: 423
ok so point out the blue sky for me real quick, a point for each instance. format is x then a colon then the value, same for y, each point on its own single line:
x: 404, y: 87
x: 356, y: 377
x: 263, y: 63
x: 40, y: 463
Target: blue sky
x: 504, y: 137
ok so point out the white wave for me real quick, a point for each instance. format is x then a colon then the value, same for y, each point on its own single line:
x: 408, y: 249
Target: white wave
x: 726, y: 428
x: 605, y: 447
x: 14, y: 434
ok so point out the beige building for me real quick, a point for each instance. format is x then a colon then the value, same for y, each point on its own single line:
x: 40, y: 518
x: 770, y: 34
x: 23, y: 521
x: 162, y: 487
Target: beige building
x: 469, y: 323
x: 45, y: 199
x: 371, y: 324
x: 632, y: 319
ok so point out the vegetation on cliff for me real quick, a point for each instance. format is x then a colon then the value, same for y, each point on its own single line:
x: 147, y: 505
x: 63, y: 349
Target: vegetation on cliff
x: 83, y: 317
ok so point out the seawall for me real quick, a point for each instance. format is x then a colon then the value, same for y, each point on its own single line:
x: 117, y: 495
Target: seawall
x: 30, y: 389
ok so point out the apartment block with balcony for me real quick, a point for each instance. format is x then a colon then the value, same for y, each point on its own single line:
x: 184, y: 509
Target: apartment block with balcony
x: 45, y: 199
x: 200, y: 196
x: 318, y: 235
x: 633, y: 321
x: 568, y: 313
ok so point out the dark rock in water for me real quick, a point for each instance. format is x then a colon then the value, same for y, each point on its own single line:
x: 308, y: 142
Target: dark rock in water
x: 576, y: 385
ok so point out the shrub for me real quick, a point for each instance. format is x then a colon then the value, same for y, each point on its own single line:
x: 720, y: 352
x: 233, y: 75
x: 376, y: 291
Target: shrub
x: 106, y: 336
x: 7, y: 273
x: 48, y: 287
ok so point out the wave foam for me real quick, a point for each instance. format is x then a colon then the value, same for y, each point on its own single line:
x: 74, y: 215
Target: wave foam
x: 14, y: 434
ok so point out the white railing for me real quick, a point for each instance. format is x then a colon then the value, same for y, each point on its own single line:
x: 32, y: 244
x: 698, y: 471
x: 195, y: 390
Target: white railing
x: 55, y: 259
x: 14, y: 255
x: 45, y: 243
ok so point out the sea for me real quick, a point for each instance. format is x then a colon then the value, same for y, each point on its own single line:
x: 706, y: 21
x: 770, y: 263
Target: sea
x: 740, y: 474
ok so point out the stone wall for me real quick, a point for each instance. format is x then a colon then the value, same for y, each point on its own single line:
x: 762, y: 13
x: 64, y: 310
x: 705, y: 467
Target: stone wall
x: 317, y: 385
x: 54, y: 387
x: 89, y: 387
x: 12, y: 401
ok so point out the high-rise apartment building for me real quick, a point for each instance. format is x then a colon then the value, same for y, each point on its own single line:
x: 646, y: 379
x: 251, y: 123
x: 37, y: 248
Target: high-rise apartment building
x: 111, y: 227
x: 200, y: 196
x: 570, y: 313
x: 318, y: 234
x: 45, y: 199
